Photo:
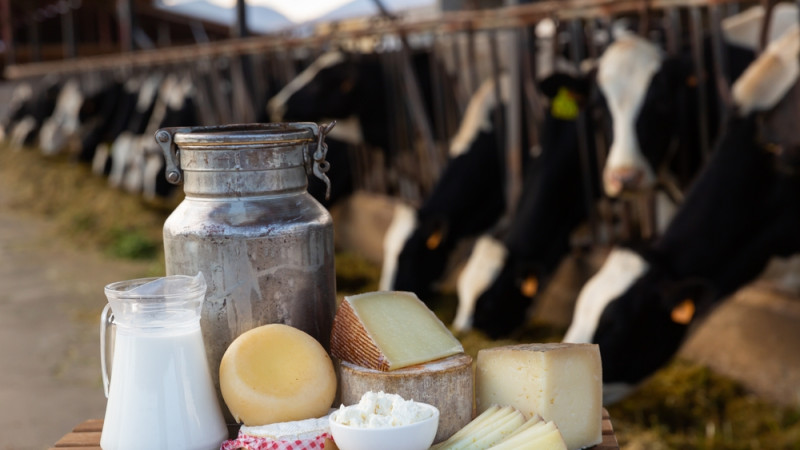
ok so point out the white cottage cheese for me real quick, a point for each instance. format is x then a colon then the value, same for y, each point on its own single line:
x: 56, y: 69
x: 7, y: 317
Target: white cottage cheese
x: 380, y: 410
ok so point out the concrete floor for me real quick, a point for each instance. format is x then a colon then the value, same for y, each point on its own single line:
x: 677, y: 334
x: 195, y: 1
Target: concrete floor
x: 51, y: 296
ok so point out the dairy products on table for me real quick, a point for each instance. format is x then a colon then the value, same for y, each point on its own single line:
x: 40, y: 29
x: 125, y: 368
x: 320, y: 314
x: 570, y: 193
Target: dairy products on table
x: 381, y: 410
x: 276, y: 373
x: 446, y: 384
x: 560, y: 382
x: 389, y: 330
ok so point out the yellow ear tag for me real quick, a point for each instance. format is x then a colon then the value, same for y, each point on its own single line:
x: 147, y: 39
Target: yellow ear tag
x: 563, y: 106
x: 529, y: 286
x: 683, y: 313
x: 434, y: 240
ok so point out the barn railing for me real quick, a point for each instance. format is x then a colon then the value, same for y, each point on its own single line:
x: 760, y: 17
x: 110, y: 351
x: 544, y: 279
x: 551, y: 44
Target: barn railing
x: 450, y: 22
x: 451, y: 36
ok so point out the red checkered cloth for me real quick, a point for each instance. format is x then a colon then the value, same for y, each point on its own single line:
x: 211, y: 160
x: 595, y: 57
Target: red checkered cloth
x: 246, y: 442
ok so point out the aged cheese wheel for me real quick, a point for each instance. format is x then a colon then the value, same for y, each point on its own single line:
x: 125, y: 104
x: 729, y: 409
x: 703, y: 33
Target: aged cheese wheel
x: 389, y: 330
x: 276, y: 373
x: 446, y: 384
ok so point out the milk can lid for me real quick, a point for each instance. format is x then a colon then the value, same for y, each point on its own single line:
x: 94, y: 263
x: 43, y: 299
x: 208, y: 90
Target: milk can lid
x: 245, y: 134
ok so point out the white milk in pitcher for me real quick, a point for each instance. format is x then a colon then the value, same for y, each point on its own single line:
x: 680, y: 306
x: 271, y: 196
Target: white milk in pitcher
x: 156, y: 391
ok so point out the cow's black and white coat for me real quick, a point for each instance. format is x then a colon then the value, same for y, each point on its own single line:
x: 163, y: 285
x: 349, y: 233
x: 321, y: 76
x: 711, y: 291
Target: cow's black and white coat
x: 352, y: 89
x: 743, y: 210
x: 468, y: 199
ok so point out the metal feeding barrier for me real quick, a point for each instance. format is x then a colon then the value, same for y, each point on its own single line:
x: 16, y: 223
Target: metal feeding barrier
x: 467, y: 46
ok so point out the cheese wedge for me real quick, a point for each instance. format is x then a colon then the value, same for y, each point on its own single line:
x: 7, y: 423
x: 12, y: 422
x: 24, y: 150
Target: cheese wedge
x: 389, y: 330
x: 445, y: 383
x: 542, y: 436
x: 492, y: 426
x: 560, y: 382
x: 276, y: 373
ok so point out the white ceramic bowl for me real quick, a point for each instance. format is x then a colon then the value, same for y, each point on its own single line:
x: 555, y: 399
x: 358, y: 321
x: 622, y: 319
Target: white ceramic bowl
x: 416, y: 436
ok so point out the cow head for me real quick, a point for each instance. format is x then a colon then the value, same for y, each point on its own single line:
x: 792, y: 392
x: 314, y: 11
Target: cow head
x: 329, y: 77
x: 640, y: 331
x: 424, y: 256
x: 639, y: 87
x: 503, y: 308
x: 770, y: 88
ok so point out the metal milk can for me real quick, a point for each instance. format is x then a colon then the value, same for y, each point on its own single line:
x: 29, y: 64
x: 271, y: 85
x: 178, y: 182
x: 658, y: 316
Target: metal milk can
x: 248, y: 224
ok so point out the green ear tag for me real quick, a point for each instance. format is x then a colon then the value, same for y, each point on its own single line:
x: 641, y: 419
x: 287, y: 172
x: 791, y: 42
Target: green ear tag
x: 563, y: 106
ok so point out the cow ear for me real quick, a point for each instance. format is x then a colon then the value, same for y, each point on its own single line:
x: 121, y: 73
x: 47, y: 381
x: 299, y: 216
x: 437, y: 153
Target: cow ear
x: 679, y: 71
x: 579, y: 85
x: 437, y: 235
x: 688, y: 298
x: 528, y: 280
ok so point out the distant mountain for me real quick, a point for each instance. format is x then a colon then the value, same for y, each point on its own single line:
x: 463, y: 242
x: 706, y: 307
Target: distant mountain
x: 260, y: 19
x: 362, y: 8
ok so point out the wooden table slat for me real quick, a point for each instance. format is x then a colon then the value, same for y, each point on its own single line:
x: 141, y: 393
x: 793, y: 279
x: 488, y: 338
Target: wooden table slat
x: 94, y: 447
x: 89, y: 425
x: 80, y: 439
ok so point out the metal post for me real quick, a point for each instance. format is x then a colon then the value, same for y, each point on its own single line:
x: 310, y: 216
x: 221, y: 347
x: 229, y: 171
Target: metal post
x: 104, y: 29
x: 673, y: 26
x: 576, y: 39
x: 8, y: 31
x: 472, y: 66
x: 240, y: 27
x: 514, y: 124
x: 720, y: 62
x: 68, y: 31
x: 35, y: 43
x: 696, y: 28
x: 125, y: 20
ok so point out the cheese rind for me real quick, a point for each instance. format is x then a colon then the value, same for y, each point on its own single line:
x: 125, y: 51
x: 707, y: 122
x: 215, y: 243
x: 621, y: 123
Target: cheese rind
x: 446, y: 384
x: 560, y: 382
x: 389, y: 330
x: 276, y: 373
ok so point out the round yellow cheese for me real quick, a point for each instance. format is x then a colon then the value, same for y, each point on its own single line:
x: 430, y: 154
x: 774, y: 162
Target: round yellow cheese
x: 276, y: 373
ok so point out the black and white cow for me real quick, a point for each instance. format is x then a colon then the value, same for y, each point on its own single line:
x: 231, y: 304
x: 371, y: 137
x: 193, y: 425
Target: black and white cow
x: 15, y: 109
x: 351, y: 88
x: 79, y: 110
x: 742, y: 210
x: 652, y: 102
x: 552, y: 205
x: 137, y: 163
x: 467, y: 200
x: 26, y: 121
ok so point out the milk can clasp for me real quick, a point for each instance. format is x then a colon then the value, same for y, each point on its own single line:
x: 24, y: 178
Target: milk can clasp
x: 320, y: 165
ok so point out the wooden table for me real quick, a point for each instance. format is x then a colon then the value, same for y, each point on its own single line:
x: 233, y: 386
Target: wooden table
x: 86, y: 436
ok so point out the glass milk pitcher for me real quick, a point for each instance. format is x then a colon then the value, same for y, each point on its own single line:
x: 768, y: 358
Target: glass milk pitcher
x: 160, y: 395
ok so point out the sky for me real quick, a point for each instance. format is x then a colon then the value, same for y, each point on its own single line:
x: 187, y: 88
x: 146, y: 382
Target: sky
x: 295, y: 10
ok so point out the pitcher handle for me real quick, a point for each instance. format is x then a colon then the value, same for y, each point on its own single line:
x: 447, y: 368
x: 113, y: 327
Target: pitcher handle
x: 106, y: 317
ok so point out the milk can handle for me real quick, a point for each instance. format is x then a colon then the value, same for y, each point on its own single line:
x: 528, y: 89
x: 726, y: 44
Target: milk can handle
x: 106, y: 317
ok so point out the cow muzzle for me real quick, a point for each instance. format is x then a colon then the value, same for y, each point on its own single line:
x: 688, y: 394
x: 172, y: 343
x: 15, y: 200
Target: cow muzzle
x: 624, y: 179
